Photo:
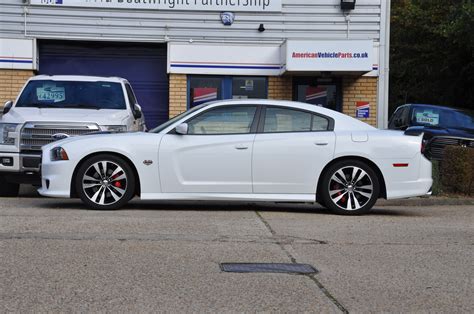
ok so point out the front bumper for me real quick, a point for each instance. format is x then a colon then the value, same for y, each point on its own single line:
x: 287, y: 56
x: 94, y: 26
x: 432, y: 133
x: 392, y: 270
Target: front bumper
x: 56, y: 178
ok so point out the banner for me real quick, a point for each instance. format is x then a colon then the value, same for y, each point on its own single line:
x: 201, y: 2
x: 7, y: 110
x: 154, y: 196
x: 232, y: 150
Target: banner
x: 184, y: 5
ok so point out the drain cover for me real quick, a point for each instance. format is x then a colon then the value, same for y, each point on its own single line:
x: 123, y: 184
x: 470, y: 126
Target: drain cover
x: 268, y: 268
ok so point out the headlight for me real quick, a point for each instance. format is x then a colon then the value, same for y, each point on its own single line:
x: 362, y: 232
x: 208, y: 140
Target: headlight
x: 58, y: 153
x: 114, y: 128
x: 5, y: 129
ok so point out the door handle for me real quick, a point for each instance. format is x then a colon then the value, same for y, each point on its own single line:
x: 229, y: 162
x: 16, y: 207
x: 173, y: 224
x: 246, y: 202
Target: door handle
x: 241, y: 147
x: 321, y: 143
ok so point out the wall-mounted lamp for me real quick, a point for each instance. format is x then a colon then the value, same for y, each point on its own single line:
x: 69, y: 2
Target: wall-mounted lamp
x: 261, y: 28
x: 348, y: 4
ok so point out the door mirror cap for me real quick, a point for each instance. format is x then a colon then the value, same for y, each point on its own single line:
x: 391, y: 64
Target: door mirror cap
x: 182, y: 129
x: 8, y: 105
x: 137, y: 111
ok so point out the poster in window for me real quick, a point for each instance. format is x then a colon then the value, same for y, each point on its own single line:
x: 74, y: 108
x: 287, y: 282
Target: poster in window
x: 202, y: 95
x: 317, y: 96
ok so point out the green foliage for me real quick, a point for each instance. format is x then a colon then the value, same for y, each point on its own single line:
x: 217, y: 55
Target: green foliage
x: 457, y: 170
x: 437, y: 186
x: 432, y: 52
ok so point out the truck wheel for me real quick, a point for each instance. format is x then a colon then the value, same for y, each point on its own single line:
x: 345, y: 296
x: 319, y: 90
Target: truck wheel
x: 350, y: 187
x: 8, y: 189
x: 105, y: 182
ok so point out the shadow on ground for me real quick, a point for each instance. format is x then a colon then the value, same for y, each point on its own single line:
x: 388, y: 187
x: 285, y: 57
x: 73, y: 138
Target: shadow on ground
x: 302, y: 208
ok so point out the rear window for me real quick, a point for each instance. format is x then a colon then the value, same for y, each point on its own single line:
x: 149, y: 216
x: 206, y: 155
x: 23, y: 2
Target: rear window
x: 442, y: 118
x: 72, y: 94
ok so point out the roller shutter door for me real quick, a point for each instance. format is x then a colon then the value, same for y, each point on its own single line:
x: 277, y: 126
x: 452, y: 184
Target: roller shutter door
x: 143, y: 65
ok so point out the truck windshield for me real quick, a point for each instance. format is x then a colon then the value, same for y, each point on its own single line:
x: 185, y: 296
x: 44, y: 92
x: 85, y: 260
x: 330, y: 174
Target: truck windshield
x: 72, y: 94
x: 444, y: 118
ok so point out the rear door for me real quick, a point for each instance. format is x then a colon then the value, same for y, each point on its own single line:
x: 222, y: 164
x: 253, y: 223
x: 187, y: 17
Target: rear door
x: 290, y: 150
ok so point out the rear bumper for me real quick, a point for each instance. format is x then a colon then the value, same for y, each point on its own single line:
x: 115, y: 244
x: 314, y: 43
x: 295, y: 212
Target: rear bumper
x: 422, y: 186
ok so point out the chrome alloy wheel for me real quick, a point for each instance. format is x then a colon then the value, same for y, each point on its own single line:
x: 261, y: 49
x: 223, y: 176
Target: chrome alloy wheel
x: 350, y: 188
x: 104, y: 182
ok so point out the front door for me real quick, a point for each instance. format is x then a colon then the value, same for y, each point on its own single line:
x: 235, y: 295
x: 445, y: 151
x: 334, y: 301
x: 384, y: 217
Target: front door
x: 214, y: 157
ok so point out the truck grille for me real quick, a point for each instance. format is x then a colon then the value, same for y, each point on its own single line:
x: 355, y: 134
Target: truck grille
x: 35, y: 135
x: 436, y: 146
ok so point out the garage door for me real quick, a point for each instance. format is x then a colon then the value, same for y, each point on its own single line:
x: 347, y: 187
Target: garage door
x: 143, y: 65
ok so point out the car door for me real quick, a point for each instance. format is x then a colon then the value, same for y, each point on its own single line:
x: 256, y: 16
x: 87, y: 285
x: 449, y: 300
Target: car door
x: 215, y: 155
x: 290, y: 150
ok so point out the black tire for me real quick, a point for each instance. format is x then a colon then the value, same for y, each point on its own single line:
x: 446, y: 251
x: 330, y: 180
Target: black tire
x: 8, y: 189
x: 101, y: 191
x: 353, y: 194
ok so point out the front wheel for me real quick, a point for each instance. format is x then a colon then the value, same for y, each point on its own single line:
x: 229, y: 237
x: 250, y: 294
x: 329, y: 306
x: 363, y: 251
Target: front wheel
x: 105, y: 182
x: 350, y: 187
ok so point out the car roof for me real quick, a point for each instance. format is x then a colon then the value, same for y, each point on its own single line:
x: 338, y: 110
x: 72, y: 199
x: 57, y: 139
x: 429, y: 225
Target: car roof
x: 435, y: 106
x: 82, y: 78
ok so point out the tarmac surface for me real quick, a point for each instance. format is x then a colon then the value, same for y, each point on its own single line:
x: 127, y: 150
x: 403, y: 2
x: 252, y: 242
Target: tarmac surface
x: 154, y: 257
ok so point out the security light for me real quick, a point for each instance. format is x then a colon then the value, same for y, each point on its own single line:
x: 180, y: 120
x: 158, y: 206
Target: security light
x: 348, y: 4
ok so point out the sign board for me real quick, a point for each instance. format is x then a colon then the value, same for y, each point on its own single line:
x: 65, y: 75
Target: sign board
x: 178, y: 5
x: 362, y: 109
x: 17, y: 54
x: 229, y: 59
x: 330, y: 55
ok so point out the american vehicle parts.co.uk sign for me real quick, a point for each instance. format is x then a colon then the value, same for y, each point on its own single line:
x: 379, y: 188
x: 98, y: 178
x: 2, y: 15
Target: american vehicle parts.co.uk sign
x: 189, y: 5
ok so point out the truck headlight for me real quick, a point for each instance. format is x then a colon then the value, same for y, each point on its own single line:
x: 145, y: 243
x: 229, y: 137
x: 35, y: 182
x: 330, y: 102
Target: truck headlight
x: 5, y: 129
x: 114, y: 128
x: 58, y: 153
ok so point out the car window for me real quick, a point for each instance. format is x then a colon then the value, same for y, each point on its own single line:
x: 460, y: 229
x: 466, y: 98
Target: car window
x: 131, y: 96
x: 223, y: 120
x: 396, y: 116
x: 72, y: 94
x: 291, y: 120
x: 319, y: 123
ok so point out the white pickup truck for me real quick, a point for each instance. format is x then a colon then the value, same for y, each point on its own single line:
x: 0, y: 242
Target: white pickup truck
x: 50, y: 108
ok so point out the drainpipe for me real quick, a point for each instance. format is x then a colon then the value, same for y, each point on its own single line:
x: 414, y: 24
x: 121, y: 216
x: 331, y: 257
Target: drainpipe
x: 384, y: 64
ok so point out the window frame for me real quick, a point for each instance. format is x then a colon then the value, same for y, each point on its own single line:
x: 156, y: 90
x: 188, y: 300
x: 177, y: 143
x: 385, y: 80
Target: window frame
x: 261, y: 124
x: 253, y: 125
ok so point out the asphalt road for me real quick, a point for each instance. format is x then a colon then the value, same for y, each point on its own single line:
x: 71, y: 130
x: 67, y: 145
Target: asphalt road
x: 57, y: 257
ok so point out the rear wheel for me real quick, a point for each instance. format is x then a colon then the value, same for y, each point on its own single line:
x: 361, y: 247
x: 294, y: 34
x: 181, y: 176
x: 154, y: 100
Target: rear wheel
x: 350, y: 187
x: 8, y: 189
x: 105, y: 182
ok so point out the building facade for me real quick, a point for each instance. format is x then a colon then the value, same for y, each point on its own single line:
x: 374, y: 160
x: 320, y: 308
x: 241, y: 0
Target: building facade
x: 180, y: 53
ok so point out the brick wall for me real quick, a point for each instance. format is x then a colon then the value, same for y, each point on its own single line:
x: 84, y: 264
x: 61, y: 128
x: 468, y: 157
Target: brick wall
x: 178, y: 94
x: 280, y: 87
x: 11, y: 81
x: 360, y: 89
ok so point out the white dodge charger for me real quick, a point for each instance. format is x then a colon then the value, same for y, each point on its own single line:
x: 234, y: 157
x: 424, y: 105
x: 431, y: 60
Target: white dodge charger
x: 245, y: 150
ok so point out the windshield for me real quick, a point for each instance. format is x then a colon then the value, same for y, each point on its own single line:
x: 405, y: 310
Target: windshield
x: 163, y: 126
x: 444, y: 118
x: 72, y: 94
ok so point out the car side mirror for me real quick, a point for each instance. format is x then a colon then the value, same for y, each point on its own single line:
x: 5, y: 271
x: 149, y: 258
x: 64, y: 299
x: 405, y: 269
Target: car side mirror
x: 137, y: 111
x: 182, y: 129
x: 8, y: 105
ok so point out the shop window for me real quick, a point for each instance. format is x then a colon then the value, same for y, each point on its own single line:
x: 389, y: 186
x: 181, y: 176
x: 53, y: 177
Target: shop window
x: 324, y: 92
x: 227, y: 120
x: 203, y: 89
x: 249, y: 87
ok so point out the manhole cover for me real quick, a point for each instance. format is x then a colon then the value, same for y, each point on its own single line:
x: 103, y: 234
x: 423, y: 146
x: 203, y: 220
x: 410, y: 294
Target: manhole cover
x: 268, y: 268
